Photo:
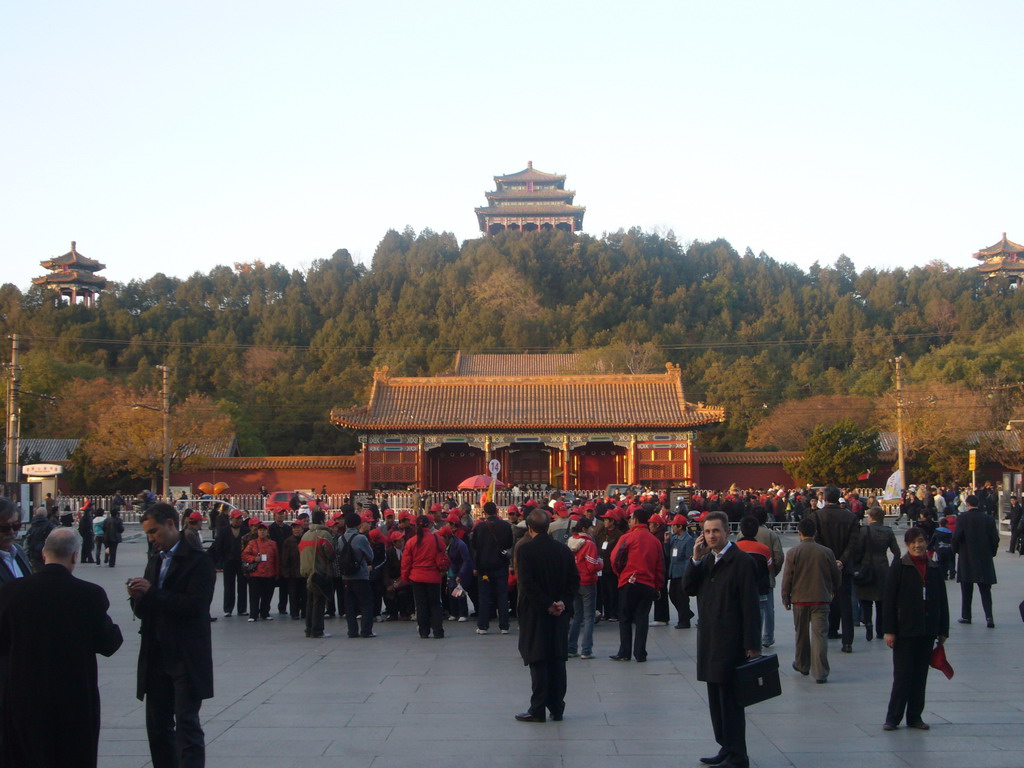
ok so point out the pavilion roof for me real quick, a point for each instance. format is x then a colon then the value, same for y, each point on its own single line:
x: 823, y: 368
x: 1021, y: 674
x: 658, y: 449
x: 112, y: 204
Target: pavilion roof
x: 529, y: 173
x: 541, y: 209
x: 73, y: 259
x: 1003, y: 248
x: 538, y: 194
x: 524, y: 364
x: 70, y: 277
x: 460, y: 403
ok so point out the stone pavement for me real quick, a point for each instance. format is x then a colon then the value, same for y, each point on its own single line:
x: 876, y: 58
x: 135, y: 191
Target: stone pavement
x: 398, y: 701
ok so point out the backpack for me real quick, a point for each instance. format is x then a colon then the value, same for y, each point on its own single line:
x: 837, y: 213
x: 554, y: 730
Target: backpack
x: 349, y: 561
x: 36, y: 537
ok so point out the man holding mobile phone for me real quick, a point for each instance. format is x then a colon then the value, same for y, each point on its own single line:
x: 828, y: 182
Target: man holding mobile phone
x: 724, y: 580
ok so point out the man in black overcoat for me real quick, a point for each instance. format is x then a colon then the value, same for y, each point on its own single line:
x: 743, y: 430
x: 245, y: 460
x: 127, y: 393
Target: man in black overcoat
x: 52, y: 625
x: 176, y: 655
x: 724, y: 579
x: 839, y: 530
x: 548, y: 580
x: 975, y: 541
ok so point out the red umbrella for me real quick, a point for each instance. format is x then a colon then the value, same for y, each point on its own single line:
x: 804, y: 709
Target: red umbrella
x: 478, y: 483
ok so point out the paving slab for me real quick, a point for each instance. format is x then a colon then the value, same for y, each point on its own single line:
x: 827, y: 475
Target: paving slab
x: 389, y: 702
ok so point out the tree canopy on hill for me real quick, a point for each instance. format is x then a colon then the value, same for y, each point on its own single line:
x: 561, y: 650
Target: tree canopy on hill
x: 277, y: 348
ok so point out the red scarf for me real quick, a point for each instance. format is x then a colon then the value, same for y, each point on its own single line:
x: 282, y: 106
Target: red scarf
x: 921, y: 563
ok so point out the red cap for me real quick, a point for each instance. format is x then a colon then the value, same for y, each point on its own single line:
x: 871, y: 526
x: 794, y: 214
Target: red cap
x: 446, y: 531
x: 453, y: 517
x: 512, y: 509
x: 367, y: 516
x: 405, y: 514
x: 237, y: 513
x: 375, y: 535
x: 561, y: 509
x: 436, y: 508
x: 396, y: 535
x: 295, y: 523
x: 590, y: 505
x: 679, y: 520
x: 255, y: 522
x: 389, y: 512
x: 575, y: 518
x: 656, y: 518
x: 195, y: 517
x: 530, y: 503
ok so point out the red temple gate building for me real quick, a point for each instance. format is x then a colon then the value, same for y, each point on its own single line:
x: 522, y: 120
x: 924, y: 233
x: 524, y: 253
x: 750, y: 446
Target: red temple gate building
x: 530, y: 200
x: 544, y: 424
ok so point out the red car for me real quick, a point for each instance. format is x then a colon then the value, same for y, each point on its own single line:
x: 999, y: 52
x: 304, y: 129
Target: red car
x: 282, y: 500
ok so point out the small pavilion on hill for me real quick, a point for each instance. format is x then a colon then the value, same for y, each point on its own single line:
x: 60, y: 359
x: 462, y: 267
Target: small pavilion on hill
x: 73, y: 276
x: 545, y: 426
x: 530, y: 200
x: 1005, y: 258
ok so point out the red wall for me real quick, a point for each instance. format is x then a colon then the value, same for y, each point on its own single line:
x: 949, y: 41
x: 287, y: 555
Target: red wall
x: 721, y: 476
x: 250, y: 480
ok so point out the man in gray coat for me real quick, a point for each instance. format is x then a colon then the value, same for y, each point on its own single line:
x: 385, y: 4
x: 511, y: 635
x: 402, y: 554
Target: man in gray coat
x: 976, y: 541
x: 811, y: 580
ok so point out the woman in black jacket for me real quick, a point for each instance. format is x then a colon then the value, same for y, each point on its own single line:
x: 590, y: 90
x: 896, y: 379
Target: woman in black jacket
x: 915, y: 615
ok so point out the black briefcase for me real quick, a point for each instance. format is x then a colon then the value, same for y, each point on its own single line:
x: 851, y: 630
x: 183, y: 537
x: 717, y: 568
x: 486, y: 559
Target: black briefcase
x: 757, y: 680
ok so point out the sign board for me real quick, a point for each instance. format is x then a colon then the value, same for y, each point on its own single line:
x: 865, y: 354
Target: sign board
x: 972, y: 461
x: 494, y: 467
x: 42, y: 470
x: 362, y: 497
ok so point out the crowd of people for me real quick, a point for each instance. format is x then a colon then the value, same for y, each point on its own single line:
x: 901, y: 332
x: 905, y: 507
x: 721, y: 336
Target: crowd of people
x: 560, y: 568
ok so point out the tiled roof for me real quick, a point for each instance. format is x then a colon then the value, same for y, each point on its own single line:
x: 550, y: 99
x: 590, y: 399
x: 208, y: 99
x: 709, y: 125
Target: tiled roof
x: 1003, y: 248
x: 539, y: 194
x: 1010, y: 438
x: 279, y: 462
x: 541, y: 209
x: 529, y: 173
x: 515, y: 365
x: 71, y: 276
x: 749, y: 457
x: 528, y: 403
x: 213, y: 447
x: 1000, y: 266
x: 48, y: 450
x: 73, y: 258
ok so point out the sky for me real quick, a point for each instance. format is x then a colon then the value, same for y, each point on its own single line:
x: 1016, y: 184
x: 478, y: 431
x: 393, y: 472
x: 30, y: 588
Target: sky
x: 174, y: 136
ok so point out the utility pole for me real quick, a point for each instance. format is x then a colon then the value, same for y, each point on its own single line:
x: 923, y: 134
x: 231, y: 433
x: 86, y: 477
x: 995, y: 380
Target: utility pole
x: 13, y: 413
x: 899, y: 423
x: 167, y: 430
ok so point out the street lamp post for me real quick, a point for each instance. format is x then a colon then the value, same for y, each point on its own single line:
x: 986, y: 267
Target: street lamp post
x: 165, y: 409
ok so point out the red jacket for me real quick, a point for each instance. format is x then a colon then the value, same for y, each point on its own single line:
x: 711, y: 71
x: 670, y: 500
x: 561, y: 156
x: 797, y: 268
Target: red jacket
x: 252, y: 554
x: 645, y: 558
x: 419, y: 560
x: 588, y: 561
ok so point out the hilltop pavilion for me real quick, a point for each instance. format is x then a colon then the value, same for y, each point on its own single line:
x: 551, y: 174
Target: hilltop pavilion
x: 1005, y: 258
x: 530, y: 200
x: 73, y: 276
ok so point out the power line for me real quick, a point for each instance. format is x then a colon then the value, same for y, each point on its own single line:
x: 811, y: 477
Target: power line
x: 426, y: 347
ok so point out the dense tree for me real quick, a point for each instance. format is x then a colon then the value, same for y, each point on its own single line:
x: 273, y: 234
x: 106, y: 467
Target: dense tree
x: 278, y: 348
x: 836, y: 453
